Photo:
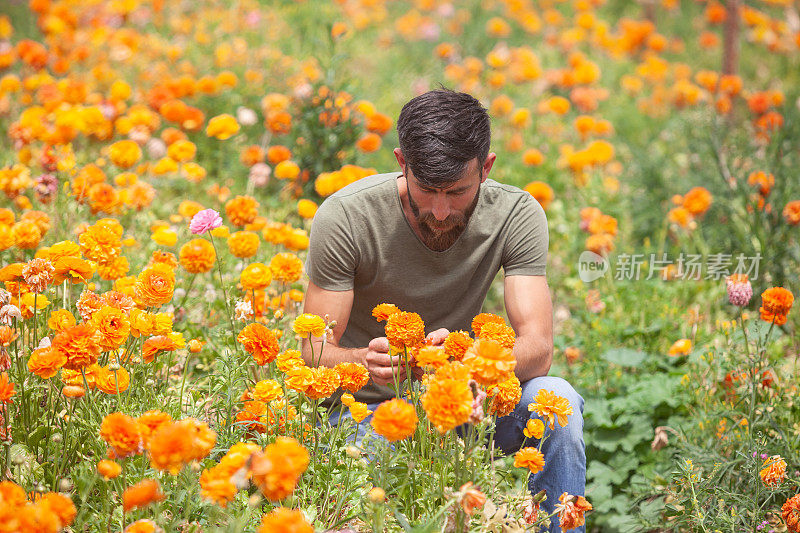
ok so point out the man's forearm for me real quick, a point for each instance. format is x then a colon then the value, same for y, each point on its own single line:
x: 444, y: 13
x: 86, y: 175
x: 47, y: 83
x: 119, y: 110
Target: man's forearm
x: 534, y: 356
x: 332, y: 355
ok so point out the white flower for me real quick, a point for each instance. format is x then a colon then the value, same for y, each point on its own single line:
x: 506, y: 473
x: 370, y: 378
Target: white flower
x: 246, y: 116
x: 243, y: 310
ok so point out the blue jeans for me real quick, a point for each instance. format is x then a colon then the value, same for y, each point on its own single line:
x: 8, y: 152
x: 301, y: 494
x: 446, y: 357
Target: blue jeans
x: 564, y: 450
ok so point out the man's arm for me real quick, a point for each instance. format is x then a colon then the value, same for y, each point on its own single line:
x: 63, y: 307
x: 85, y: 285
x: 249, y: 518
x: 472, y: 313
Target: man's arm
x: 530, y: 311
x: 337, y: 306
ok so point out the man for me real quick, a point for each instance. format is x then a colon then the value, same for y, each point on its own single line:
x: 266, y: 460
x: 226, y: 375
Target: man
x: 431, y: 239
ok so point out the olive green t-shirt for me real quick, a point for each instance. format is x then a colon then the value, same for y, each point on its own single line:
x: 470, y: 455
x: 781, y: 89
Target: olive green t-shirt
x: 361, y: 240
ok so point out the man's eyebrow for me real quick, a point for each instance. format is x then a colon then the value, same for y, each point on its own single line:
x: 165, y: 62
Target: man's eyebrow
x: 459, y: 189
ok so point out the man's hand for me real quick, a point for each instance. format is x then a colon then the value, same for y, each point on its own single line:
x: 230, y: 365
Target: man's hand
x: 436, y: 338
x: 382, y: 368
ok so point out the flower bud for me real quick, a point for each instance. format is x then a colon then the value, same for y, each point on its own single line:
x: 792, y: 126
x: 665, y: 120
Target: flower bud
x: 376, y: 495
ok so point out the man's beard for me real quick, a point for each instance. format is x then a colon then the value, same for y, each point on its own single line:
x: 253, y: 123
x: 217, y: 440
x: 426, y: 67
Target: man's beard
x: 431, y: 229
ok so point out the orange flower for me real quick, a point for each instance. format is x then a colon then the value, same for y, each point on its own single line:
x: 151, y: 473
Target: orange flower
x: 773, y: 472
x: 74, y: 269
x: 369, y: 142
x: 155, y: 345
x: 38, y: 273
x: 122, y: 433
x: 430, y: 356
x: 113, y: 382
x: 108, y: 469
x: 571, y: 511
x: 45, y: 362
x: 112, y: 326
x: 60, y: 320
x: 308, y: 324
x: 324, y: 382
x: 243, y: 244
x: 7, y: 336
x: 353, y: 376
x: 383, y: 311
x: 281, y: 520
x: 790, y: 511
x: 456, y: 344
x: 267, y: 390
x: 534, y: 428
x: 256, y: 276
x: 278, y: 468
x: 490, y: 362
x: 548, y: 405
x: 6, y: 389
x: 141, y: 494
x: 529, y: 458
x: 125, y: 153
x: 143, y: 526
x: 448, y: 403
x: 359, y: 411
x: 289, y: 360
x: 260, y: 342
x: 241, y: 210
x: 499, y: 332
x: 541, y: 191
x: 395, y: 420
x: 80, y: 344
x: 506, y: 396
x: 197, y: 256
x: 286, y: 267
x: 174, y: 445
x: 697, y: 201
x: 278, y: 153
x: 222, y: 127
x: 150, y: 422
x: 680, y: 347
x: 470, y: 498
x: 776, y: 303
x: 762, y: 180
x: 791, y: 212
x: 155, y: 285
x: 483, y: 318
x: 404, y: 329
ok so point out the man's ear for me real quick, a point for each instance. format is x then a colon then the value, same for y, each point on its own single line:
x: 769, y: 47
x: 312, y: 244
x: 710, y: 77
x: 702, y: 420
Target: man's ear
x: 398, y: 154
x: 487, y: 165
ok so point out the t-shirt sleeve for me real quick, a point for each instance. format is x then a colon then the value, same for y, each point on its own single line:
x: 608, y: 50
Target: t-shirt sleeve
x: 332, y: 255
x: 527, y: 239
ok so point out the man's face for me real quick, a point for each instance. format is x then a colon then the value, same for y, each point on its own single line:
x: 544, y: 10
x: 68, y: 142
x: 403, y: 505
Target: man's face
x: 442, y: 213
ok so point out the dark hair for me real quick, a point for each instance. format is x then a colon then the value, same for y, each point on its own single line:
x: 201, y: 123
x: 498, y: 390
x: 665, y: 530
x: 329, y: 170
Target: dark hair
x: 440, y: 132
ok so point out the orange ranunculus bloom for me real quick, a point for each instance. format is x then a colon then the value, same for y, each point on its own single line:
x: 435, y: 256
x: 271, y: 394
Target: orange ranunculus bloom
x: 697, y: 201
x: 38, y: 273
x: 353, y: 376
x: 108, y: 469
x: 157, y: 344
x: 241, y: 210
x: 429, y: 356
x: 541, y: 191
x: 6, y: 389
x: 112, y: 326
x: 150, y: 421
x: 122, y: 434
x: 7, y: 336
x: 680, y: 347
x: 571, y: 511
x: 281, y: 519
x: 176, y: 444
x: 222, y: 127
x: 790, y: 511
x: 112, y: 382
x: 529, y: 458
x: 534, y: 428
x: 791, y: 213
x: 548, y: 405
x: 499, y: 332
x: 278, y: 153
x: 383, y: 311
x: 762, y: 180
x: 395, y: 420
x: 490, y: 362
x: 141, y: 494
x: 256, y: 277
x: 267, y: 390
x: 197, y: 256
x: 61, y: 505
x: 289, y: 360
x: 80, y: 344
x: 448, y: 403
x: 405, y: 329
x: 155, y: 285
x: 506, y: 396
x: 260, y: 342
x: 456, y: 344
x: 286, y: 267
x: 776, y: 303
x: 215, y: 482
x: 309, y: 324
x: 483, y: 318
x: 773, y: 472
x: 243, y: 244
x: 277, y: 469
x: 287, y: 170
x: 46, y: 362
x: 324, y: 382
x: 369, y: 142
x: 75, y: 269
x: 124, y: 153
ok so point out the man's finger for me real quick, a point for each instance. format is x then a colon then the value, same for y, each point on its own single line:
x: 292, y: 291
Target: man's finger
x: 437, y: 337
x: 379, y: 344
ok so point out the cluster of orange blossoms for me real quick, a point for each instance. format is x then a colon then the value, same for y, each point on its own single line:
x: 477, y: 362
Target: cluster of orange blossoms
x: 602, y: 229
x: 689, y: 207
x: 50, y: 511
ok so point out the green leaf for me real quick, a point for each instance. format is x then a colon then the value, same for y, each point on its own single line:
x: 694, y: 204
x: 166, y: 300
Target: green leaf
x: 601, y: 472
x: 624, y: 357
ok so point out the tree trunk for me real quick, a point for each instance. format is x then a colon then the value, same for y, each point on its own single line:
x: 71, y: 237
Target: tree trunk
x: 730, y: 52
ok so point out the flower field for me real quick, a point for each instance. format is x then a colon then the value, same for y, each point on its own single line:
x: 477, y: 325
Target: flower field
x: 161, y: 164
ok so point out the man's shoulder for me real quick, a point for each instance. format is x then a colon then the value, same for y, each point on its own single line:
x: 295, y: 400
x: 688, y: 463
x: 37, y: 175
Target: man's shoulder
x: 508, y: 197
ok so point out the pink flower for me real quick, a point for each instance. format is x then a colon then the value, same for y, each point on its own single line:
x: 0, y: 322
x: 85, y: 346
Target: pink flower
x: 204, y: 221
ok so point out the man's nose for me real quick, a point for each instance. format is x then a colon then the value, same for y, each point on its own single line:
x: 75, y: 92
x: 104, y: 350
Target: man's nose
x: 441, y: 206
